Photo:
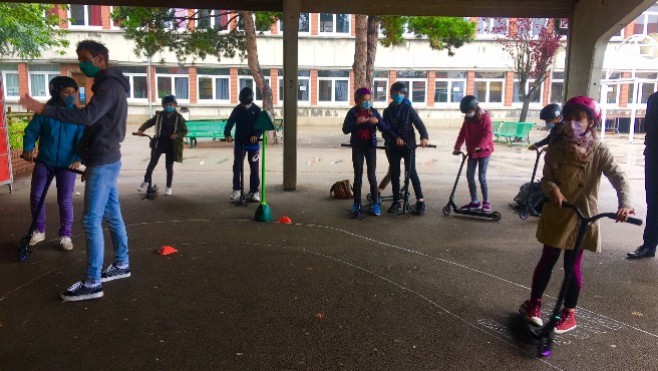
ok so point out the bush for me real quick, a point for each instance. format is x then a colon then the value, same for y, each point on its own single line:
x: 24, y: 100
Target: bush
x: 16, y: 132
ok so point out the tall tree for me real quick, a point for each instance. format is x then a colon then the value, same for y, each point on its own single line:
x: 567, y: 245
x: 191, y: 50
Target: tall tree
x: 442, y: 33
x: 26, y: 30
x: 532, y: 46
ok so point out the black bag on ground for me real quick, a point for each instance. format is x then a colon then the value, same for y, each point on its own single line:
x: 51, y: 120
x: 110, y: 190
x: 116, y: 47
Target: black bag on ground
x: 535, y: 201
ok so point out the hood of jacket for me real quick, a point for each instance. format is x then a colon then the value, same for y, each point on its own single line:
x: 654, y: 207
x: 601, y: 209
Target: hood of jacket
x: 111, y: 73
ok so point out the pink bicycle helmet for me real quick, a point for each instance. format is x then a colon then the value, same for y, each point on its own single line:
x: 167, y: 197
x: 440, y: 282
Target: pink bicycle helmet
x: 583, y: 103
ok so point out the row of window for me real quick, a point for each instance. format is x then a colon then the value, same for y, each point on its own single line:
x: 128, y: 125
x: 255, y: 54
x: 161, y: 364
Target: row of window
x: 333, y: 86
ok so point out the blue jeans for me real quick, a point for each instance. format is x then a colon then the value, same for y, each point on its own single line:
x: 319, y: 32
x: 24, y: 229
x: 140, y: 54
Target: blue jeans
x: 102, y: 201
x: 482, y: 164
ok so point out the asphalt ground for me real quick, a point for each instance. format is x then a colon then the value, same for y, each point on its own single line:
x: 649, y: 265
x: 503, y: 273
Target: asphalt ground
x: 327, y: 292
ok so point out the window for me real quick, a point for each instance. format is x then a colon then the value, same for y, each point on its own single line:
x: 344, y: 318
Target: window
x: 116, y: 25
x: 537, y: 24
x: 213, y: 84
x: 557, y: 87
x: 333, y: 86
x: 85, y: 15
x: 304, y: 23
x: 647, y: 22
x: 645, y: 89
x: 612, y: 91
x: 489, y: 86
x: 173, y: 80
x: 10, y: 84
x: 303, y: 84
x: 449, y: 87
x: 416, y: 83
x: 380, y: 87
x: 40, y: 75
x: 212, y: 18
x: 246, y: 80
x: 178, y: 19
x: 334, y: 23
x: 492, y: 26
x: 138, y: 82
x: 516, y: 95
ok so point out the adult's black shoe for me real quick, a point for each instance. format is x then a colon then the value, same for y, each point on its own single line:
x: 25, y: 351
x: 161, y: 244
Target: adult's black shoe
x: 642, y: 252
x: 395, y: 207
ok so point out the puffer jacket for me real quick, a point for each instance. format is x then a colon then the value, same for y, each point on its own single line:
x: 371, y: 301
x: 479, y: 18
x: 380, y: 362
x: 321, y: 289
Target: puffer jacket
x: 57, y: 140
x: 402, y: 119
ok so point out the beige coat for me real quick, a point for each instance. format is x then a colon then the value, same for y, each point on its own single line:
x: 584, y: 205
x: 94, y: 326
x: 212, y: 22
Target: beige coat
x: 578, y: 181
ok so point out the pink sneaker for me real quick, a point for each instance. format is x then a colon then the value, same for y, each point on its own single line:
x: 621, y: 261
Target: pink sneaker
x: 471, y: 206
x: 531, y: 309
x: 566, y: 323
x: 486, y: 207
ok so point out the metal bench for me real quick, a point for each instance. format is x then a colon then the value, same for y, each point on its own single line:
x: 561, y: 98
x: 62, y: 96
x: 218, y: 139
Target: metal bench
x: 512, y: 132
x: 209, y: 128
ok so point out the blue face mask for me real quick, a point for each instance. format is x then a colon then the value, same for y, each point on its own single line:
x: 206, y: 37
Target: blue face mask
x: 365, y: 104
x: 170, y: 109
x: 398, y: 98
x: 69, y: 101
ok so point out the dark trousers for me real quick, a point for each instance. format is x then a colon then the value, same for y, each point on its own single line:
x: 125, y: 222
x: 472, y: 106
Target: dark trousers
x: 253, y: 159
x: 651, y: 187
x: 166, y: 147
x: 544, y: 268
x: 395, y: 155
x: 359, y: 153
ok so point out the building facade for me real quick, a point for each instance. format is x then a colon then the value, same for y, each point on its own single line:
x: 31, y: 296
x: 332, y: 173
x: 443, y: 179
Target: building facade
x: 436, y: 81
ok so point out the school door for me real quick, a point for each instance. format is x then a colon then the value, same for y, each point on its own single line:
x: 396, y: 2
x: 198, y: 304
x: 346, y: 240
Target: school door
x: 83, y: 89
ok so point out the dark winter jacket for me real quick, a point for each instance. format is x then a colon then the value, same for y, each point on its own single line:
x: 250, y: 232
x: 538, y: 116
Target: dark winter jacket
x: 244, y: 120
x: 651, y: 127
x: 104, y: 118
x: 57, y: 140
x: 177, y: 126
x: 401, y: 119
x: 350, y: 126
x: 550, y: 136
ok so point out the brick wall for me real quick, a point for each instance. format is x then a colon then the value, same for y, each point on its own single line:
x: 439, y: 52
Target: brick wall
x: 19, y: 167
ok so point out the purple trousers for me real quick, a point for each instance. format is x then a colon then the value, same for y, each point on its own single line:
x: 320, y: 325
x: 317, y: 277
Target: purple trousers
x: 65, y: 183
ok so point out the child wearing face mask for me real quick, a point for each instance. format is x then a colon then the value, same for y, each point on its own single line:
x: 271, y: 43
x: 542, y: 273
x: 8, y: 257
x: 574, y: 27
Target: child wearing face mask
x: 574, y: 163
x: 57, y: 152
x: 552, y: 114
x: 477, y: 133
x: 170, y: 131
x: 362, y: 122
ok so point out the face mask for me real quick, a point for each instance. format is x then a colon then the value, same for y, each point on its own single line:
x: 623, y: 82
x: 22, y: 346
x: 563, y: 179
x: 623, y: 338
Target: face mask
x: 170, y: 109
x: 579, y: 129
x: 398, y: 98
x: 470, y: 114
x: 69, y: 101
x: 365, y: 104
x: 89, y: 69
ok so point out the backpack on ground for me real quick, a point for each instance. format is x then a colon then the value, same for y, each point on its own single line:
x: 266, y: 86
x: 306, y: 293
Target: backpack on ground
x: 342, y: 189
x: 533, y: 195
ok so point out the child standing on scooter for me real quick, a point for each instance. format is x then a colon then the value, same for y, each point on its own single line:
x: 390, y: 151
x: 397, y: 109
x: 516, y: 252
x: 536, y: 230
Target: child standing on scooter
x: 552, y: 114
x: 574, y: 163
x: 361, y: 122
x: 57, y: 152
x: 477, y: 133
x: 244, y: 117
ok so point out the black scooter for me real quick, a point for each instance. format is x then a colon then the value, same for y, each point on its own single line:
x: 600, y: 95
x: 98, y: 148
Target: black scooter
x: 242, y: 201
x: 24, y: 248
x: 529, y: 207
x: 452, y: 207
x: 545, y: 334
x: 152, y: 189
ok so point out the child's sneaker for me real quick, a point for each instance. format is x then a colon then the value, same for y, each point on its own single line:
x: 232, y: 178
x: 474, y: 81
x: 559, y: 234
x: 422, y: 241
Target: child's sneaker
x: 566, y: 323
x: 486, y: 207
x: 471, y: 206
x: 142, y: 187
x: 37, y: 237
x: 356, y: 208
x: 79, y: 292
x: 420, y: 207
x: 235, y: 195
x: 254, y: 196
x: 66, y: 243
x: 376, y: 209
x: 168, y: 191
x: 531, y: 309
x: 114, y: 273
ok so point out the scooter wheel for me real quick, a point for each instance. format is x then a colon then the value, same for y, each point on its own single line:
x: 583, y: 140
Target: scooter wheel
x: 496, y: 216
x: 523, y: 214
x: 544, y: 348
x: 446, y: 210
x: 22, y: 255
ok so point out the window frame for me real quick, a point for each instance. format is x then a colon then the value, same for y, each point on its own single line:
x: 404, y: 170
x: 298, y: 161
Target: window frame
x: 254, y: 86
x: 450, y: 81
x: 46, y: 75
x: 334, y: 22
x: 488, y: 81
x: 131, y: 76
x: 86, y: 21
x: 527, y: 85
x: 279, y: 25
x: 410, y: 81
x: 486, y: 32
x: 173, y: 77
x: 386, y: 90
x: 213, y: 78
x: 333, y: 80
x: 10, y: 98
x: 299, y: 78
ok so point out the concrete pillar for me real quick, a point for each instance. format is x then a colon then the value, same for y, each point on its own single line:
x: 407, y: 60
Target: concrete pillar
x: 592, y: 24
x: 291, y: 10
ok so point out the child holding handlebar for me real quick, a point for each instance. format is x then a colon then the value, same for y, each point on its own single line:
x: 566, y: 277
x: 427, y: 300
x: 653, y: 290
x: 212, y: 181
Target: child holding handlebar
x: 574, y: 163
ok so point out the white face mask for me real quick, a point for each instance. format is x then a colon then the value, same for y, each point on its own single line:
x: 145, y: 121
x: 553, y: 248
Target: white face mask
x: 470, y: 114
x: 579, y: 129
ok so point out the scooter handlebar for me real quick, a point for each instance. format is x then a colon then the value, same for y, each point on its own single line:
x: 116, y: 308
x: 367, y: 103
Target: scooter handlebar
x: 630, y: 219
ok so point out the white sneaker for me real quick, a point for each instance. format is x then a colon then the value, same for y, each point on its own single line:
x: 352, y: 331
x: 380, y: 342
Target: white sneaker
x: 168, y: 191
x: 142, y: 187
x: 255, y: 196
x: 37, y: 237
x: 66, y: 243
x: 235, y: 195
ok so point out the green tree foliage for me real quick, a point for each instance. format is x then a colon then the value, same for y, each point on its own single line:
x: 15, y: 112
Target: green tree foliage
x: 26, y: 30
x: 447, y: 33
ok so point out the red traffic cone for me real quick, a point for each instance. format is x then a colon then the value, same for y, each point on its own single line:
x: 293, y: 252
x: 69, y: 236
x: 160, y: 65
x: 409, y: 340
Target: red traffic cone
x: 284, y: 220
x: 166, y: 250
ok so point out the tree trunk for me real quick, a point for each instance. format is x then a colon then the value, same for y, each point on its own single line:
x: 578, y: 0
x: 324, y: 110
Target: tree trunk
x: 373, y: 39
x: 524, y: 108
x: 360, y: 51
x: 254, y: 67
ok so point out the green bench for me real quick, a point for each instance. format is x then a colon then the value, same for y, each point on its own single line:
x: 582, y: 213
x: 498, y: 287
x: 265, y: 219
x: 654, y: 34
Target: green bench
x: 512, y: 132
x: 209, y: 128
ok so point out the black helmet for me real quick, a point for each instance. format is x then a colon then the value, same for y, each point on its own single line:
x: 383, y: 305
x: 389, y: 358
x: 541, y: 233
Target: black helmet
x: 550, y: 112
x: 61, y: 82
x: 246, y: 95
x: 169, y: 99
x: 399, y: 86
x: 468, y: 103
